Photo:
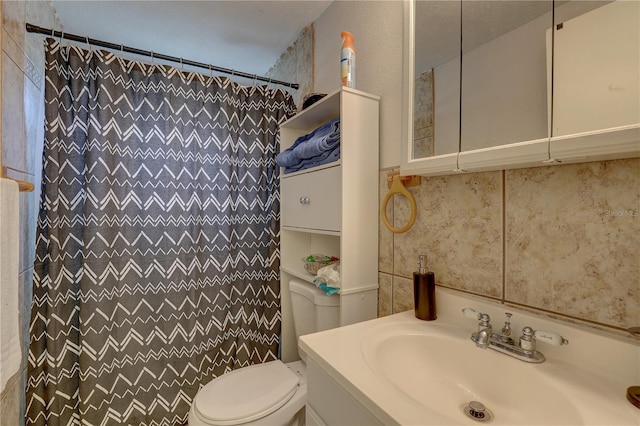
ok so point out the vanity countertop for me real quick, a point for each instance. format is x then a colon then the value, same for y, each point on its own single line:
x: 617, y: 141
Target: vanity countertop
x: 407, y: 371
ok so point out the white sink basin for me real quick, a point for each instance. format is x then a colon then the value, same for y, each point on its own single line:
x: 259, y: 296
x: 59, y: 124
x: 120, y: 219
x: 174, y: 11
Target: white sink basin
x: 444, y: 372
x: 404, y: 371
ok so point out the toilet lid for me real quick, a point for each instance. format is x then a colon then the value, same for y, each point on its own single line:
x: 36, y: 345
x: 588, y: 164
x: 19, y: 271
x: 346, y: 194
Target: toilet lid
x: 246, y: 394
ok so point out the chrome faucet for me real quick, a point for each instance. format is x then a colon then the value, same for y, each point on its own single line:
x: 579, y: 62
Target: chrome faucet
x: 485, y: 330
x: 524, y: 350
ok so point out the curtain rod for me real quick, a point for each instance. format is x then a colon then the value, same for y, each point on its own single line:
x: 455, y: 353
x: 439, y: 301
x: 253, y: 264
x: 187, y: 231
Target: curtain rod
x: 60, y: 34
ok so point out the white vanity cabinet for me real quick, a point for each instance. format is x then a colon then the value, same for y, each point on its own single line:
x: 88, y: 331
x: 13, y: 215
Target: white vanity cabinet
x: 333, y: 208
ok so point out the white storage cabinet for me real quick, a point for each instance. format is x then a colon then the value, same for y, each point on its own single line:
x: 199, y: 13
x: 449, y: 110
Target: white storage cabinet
x: 333, y: 208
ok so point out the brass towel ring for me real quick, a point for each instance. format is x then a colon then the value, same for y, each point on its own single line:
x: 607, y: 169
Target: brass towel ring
x: 398, y: 188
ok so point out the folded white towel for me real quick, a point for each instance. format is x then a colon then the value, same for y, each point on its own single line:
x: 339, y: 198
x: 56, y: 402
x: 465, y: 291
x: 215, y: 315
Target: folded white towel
x: 329, y: 275
x: 9, y: 247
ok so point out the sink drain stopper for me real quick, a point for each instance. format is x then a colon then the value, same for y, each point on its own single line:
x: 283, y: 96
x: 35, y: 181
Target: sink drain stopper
x: 478, y: 412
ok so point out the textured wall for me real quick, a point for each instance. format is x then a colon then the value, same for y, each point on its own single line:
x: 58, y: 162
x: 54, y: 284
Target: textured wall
x: 22, y: 136
x: 423, y: 116
x: 559, y: 240
x: 377, y: 28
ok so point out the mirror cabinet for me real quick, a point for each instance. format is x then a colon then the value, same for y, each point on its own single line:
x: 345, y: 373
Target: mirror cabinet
x: 596, y: 79
x: 499, y: 84
x: 432, y: 97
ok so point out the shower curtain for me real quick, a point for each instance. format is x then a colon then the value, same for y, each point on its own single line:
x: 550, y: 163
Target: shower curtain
x: 158, y: 238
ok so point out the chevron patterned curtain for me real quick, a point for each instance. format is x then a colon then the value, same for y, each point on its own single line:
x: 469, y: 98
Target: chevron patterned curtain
x: 158, y: 239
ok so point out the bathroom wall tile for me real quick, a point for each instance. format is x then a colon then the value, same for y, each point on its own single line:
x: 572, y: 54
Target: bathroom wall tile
x: 385, y: 237
x: 423, y: 115
x: 25, y: 292
x: 385, y: 295
x: 13, y: 21
x: 10, y: 401
x: 35, y: 59
x: 28, y: 217
x: 28, y: 212
x: 14, y: 153
x: 402, y: 294
x: 459, y: 228
x: 423, y: 142
x: 572, y: 240
x: 34, y: 124
x: 39, y: 13
x: 12, y: 49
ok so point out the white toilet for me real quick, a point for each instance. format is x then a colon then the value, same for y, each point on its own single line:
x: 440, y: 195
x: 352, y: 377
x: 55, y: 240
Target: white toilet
x: 273, y: 393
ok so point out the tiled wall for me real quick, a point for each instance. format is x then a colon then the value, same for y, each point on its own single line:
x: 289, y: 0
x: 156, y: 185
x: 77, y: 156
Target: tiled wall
x: 423, y: 116
x: 22, y: 135
x: 559, y: 240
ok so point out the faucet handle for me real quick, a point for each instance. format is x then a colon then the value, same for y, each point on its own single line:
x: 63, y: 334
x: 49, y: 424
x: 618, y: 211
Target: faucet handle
x: 471, y: 313
x: 506, y: 330
x: 551, y: 338
x: 527, y: 340
x: 485, y: 320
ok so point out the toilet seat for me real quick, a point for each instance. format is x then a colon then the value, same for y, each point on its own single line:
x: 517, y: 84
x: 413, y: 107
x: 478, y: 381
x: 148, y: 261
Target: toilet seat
x: 246, y: 394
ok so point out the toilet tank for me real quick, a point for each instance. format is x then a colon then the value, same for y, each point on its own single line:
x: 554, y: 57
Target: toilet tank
x: 313, y: 310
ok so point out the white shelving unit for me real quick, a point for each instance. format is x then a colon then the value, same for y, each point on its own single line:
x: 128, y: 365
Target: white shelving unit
x: 333, y: 208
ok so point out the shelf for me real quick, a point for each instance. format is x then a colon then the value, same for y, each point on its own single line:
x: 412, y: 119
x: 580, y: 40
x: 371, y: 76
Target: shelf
x: 298, y: 273
x: 323, y: 110
x: 312, y: 231
x: 333, y: 208
x: 309, y: 170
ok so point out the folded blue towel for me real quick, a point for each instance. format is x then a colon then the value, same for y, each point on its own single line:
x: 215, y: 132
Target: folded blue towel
x: 319, y: 143
x: 324, y: 138
x: 324, y: 158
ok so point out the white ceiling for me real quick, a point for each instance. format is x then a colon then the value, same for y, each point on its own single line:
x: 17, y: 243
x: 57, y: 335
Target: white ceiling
x: 247, y: 36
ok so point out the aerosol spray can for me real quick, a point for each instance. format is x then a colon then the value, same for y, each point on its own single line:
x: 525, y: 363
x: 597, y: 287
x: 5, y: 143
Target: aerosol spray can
x: 348, y: 60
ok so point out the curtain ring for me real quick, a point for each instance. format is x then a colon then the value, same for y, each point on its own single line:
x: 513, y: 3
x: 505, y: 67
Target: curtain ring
x: 255, y: 79
x: 152, y: 57
x: 88, y: 44
x: 121, y: 48
x: 181, y: 65
x: 210, y: 71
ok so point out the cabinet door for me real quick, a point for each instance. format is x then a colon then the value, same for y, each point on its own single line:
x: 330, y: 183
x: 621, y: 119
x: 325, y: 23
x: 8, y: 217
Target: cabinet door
x: 504, y: 73
x: 431, y: 107
x: 312, y: 200
x: 596, y: 67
